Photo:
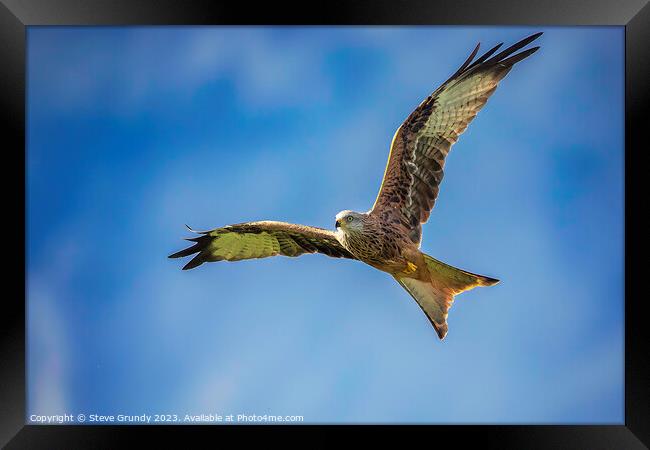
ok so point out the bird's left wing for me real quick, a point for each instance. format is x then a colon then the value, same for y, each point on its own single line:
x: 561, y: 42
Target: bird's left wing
x: 261, y: 240
x: 421, y: 144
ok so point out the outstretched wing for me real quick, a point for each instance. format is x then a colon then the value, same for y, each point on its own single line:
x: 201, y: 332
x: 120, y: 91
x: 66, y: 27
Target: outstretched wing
x: 261, y: 240
x: 421, y: 144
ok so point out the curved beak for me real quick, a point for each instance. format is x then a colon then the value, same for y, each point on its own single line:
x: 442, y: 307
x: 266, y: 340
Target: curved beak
x: 337, y: 224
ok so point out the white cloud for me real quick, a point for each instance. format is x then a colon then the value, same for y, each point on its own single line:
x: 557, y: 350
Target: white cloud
x: 129, y: 72
x: 48, y: 342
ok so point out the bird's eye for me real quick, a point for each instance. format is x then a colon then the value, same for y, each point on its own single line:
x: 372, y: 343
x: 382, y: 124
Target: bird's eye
x: 350, y: 218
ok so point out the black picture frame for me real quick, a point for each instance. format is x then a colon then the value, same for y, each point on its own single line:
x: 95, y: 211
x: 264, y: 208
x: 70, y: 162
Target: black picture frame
x: 16, y: 15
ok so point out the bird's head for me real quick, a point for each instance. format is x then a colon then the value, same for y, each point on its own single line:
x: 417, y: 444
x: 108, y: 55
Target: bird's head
x: 350, y: 221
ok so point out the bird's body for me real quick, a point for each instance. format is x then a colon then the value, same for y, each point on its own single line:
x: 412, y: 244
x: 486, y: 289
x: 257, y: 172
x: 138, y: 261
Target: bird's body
x: 382, y: 245
x: 388, y: 236
x: 371, y: 241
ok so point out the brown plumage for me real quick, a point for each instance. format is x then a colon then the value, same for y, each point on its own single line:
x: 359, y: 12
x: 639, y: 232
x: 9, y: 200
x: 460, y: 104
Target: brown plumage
x: 417, y: 156
x: 388, y: 236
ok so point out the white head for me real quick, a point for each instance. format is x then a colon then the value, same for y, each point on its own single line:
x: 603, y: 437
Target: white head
x: 349, y: 221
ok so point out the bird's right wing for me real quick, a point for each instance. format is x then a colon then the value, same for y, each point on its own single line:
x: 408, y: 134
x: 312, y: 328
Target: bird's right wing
x: 420, y: 146
x: 261, y: 240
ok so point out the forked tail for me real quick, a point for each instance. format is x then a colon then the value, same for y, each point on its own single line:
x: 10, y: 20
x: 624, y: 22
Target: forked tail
x: 436, y: 295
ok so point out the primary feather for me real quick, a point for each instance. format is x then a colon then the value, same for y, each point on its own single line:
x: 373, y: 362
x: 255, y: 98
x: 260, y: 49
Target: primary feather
x: 421, y: 144
x: 260, y: 240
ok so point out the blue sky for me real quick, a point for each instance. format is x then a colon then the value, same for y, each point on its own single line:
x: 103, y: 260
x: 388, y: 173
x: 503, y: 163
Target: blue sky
x: 133, y: 132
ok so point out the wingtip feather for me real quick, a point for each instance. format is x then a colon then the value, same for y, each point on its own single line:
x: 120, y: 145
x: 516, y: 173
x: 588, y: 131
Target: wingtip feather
x: 501, y: 57
x: 518, y: 57
x: 185, y: 252
x: 467, y: 62
x: 485, y: 55
x: 194, y: 262
x: 200, y: 243
x: 191, y: 229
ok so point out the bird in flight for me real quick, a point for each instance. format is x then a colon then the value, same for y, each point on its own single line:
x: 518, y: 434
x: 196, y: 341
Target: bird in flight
x: 388, y: 236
